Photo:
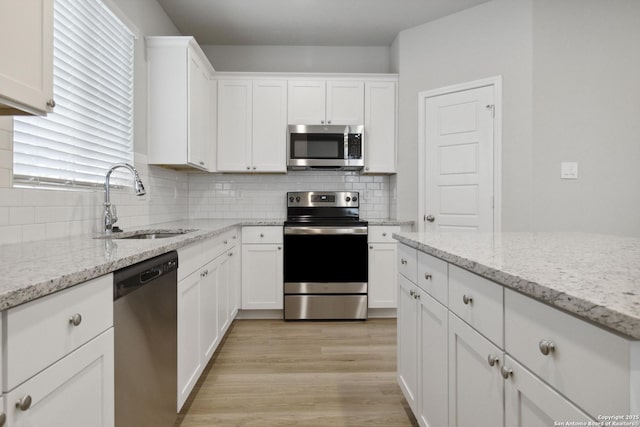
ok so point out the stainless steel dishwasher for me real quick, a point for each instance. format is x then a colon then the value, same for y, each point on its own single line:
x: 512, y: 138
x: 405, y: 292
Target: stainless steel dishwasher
x: 145, y: 328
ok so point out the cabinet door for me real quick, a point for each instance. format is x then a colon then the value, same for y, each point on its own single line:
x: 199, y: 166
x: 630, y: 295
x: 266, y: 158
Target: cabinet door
x: 234, y: 125
x: 408, y: 341
x: 345, y: 103
x: 433, y: 356
x: 269, y: 141
x: 210, y: 278
x: 383, y: 275
x: 380, y: 127
x: 190, y: 363
x: 198, y: 144
x: 475, y: 387
x: 76, y: 391
x: 235, y: 278
x: 531, y: 403
x: 262, y: 276
x: 307, y: 102
x: 26, y: 49
x: 223, y: 293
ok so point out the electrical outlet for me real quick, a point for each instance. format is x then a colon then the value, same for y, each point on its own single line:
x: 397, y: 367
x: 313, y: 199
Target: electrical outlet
x: 569, y: 170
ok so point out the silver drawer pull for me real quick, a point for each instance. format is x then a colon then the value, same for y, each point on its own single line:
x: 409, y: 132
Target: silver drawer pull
x: 225, y: 242
x: 24, y: 403
x: 506, y: 372
x: 384, y: 234
x: 412, y: 293
x: 493, y: 360
x: 230, y: 253
x: 261, y: 235
x: 279, y: 248
x: 428, y: 276
x: 403, y: 261
x: 467, y: 299
x: 3, y: 418
x: 76, y: 319
x: 546, y: 347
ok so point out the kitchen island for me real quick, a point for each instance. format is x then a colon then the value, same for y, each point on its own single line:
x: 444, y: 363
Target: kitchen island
x: 535, y: 328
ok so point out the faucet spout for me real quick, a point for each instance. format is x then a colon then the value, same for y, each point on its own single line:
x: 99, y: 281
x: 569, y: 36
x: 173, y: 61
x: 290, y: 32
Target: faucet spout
x: 109, y: 215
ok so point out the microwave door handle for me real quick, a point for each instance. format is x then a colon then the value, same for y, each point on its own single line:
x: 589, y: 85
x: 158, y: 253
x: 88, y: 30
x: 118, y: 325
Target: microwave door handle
x: 346, y: 144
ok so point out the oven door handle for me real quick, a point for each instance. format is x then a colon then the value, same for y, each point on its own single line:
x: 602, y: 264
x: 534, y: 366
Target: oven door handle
x: 324, y: 230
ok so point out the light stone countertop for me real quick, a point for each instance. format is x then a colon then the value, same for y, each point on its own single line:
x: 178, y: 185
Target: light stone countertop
x: 593, y: 276
x: 34, y: 269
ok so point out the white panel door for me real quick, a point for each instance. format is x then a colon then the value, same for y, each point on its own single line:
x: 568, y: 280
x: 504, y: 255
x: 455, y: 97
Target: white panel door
x: 234, y: 125
x: 269, y: 140
x: 383, y: 275
x: 475, y: 387
x: 307, y: 102
x: 222, y: 270
x: 380, y: 127
x: 189, y: 337
x: 209, y: 306
x: 198, y: 141
x: 262, y: 277
x: 345, y: 102
x: 531, y: 403
x: 457, y: 130
x: 408, y: 341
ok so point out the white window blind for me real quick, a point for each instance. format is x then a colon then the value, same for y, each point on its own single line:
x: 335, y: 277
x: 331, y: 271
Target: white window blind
x: 91, y: 127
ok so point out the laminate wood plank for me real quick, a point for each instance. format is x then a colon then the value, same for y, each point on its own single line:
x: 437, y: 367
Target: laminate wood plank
x: 315, y: 374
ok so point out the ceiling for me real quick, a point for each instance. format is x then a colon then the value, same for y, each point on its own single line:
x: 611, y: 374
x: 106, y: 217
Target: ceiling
x: 305, y: 22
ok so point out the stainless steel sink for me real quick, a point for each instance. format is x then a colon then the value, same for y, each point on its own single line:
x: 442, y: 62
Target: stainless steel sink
x: 145, y: 234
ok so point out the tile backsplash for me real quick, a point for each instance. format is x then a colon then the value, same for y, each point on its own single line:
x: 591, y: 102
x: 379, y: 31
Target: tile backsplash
x: 263, y: 195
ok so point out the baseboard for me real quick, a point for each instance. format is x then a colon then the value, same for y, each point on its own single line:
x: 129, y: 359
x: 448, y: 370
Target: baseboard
x: 260, y: 314
x: 383, y: 313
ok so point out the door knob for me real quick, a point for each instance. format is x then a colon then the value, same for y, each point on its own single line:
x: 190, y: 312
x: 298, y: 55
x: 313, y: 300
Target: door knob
x: 430, y: 218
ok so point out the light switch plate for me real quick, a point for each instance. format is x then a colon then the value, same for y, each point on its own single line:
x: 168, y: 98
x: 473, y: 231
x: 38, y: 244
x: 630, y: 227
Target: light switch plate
x: 568, y: 170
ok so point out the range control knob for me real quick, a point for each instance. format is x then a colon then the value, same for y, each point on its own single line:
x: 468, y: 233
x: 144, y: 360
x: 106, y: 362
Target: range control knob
x: 355, y: 199
x: 297, y: 198
x: 348, y: 199
x: 291, y: 199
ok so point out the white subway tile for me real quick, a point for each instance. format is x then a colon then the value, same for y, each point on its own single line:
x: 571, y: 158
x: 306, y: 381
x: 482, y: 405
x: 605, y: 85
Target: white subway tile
x: 21, y: 215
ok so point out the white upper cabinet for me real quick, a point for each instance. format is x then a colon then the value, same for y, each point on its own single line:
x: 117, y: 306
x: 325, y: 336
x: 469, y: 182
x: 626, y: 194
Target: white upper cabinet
x: 380, y: 127
x: 26, y: 52
x: 180, y: 103
x: 252, y: 125
x: 326, y: 102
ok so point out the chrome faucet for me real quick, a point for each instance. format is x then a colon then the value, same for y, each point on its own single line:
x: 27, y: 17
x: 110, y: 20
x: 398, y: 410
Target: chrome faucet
x: 110, y: 217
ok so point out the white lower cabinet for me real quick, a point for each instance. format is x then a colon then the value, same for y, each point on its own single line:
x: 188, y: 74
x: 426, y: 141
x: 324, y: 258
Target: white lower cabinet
x: 76, y: 391
x: 383, y: 271
x: 262, y: 268
x: 529, y: 402
x: 205, y: 305
x: 475, y: 386
x: 58, y: 358
x: 408, y: 341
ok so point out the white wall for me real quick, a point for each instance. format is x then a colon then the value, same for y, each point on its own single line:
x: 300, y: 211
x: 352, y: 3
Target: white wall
x: 29, y: 214
x: 586, y: 108
x: 491, y: 39
x: 317, y: 59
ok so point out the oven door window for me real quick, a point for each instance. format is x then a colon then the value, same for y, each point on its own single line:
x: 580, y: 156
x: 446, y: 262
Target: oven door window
x: 325, y: 258
x: 317, y: 146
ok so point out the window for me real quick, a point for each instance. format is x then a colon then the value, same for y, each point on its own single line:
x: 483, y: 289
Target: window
x: 91, y: 127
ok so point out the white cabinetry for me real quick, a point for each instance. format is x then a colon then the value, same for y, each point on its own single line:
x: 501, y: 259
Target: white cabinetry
x: 332, y: 102
x: 58, y: 358
x: 380, y: 127
x: 511, y: 360
x: 26, y: 49
x: 252, y: 125
x: 205, y: 311
x: 180, y: 103
x: 262, y: 268
x: 383, y: 274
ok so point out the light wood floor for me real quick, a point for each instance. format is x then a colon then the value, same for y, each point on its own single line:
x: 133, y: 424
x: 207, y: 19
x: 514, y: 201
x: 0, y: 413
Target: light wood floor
x: 275, y: 373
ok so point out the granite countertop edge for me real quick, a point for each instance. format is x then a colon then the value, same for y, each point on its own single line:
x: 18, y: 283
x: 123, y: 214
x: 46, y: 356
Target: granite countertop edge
x: 574, y: 303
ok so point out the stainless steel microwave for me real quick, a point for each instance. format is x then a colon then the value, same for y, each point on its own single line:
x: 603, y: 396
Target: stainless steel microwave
x: 325, y: 147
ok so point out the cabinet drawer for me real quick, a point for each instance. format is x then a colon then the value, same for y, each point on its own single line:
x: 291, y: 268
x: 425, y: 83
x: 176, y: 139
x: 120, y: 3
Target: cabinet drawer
x: 583, y: 355
x: 190, y: 259
x: 433, y: 276
x: 408, y: 262
x: 41, y: 332
x: 477, y: 301
x: 270, y: 234
x: 216, y: 246
x: 382, y: 234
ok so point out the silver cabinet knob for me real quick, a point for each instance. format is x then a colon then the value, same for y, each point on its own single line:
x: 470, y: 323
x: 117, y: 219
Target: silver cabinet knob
x: 254, y: 168
x: 201, y: 163
x: 279, y: 248
x: 493, y: 360
x: 24, y: 403
x: 506, y: 372
x: 546, y: 347
x: 383, y: 234
x: 233, y: 237
x: 225, y: 242
x: 3, y: 419
x: 467, y: 299
x: 248, y: 167
x: 76, y: 319
x: 427, y: 276
x: 230, y: 253
x: 370, y: 247
x: 403, y: 261
x: 412, y: 293
x: 51, y: 103
x: 321, y: 122
x: 430, y: 218
x: 417, y: 296
x: 367, y: 168
x: 329, y: 121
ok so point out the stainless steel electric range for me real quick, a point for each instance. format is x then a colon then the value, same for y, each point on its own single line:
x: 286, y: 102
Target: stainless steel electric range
x: 325, y: 257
